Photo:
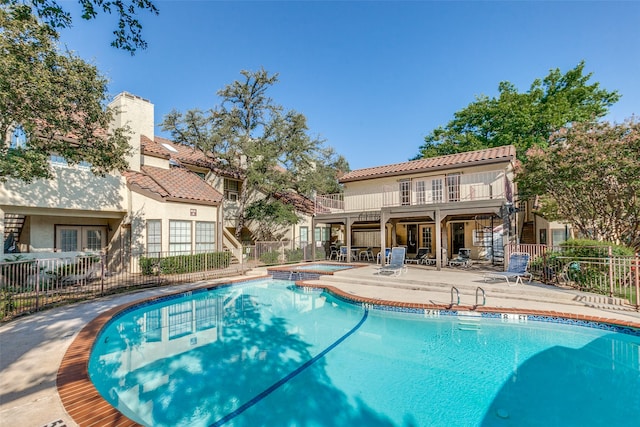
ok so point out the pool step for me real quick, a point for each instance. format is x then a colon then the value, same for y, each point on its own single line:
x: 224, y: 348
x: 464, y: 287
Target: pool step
x: 469, y: 321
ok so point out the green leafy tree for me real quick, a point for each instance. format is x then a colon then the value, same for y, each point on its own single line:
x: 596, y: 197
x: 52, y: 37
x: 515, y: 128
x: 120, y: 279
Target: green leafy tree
x: 590, y: 176
x: 271, y: 216
x: 128, y: 32
x: 268, y: 148
x: 523, y: 119
x: 54, y: 100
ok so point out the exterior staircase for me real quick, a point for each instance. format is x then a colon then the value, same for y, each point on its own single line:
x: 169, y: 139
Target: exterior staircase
x: 527, y: 235
x: 13, y: 224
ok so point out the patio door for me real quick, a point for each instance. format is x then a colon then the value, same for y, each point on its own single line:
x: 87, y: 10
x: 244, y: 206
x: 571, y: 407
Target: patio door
x: 412, y: 238
x: 457, y: 237
x: 70, y: 238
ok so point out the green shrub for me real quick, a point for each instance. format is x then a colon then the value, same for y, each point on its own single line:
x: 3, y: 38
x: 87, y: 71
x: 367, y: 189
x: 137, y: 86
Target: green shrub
x: 270, y: 257
x: 179, y: 264
x: 585, y: 248
x: 294, y: 255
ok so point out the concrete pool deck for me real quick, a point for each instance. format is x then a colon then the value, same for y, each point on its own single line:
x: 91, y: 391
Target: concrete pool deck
x: 32, y: 348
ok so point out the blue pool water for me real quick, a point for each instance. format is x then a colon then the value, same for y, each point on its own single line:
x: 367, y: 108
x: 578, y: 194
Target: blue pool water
x: 267, y: 354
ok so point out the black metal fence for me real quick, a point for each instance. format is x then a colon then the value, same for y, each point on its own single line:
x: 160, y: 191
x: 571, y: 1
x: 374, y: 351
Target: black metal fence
x: 284, y: 252
x: 599, y: 269
x: 29, y: 285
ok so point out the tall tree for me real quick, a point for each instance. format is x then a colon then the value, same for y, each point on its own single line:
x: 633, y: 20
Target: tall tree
x: 270, y: 149
x: 590, y: 176
x: 522, y: 119
x: 128, y: 32
x: 53, y: 101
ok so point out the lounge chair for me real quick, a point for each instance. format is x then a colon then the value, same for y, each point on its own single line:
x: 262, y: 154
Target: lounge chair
x: 462, y: 260
x: 518, y: 264
x: 396, y: 264
x: 420, y: 257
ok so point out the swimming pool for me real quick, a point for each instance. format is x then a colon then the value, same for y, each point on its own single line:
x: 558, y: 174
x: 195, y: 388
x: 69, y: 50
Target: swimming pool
x: 267, y: 353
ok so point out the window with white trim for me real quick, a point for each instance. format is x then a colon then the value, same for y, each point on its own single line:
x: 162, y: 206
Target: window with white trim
x: 436, y: 190
x: 76, y: 238
x: 304, y: 234
x: 426, y: 238
x: 179, y: 237
x: 231, y: 189
x: 154, y: 237
x: 421, y: 192
x: 453, y: 187
x: 205, y: 236
x: 405, y: 192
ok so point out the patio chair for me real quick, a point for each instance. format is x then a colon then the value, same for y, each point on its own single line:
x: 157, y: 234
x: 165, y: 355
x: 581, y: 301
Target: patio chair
x: 387, y: 255
x: 518, y: 264
x: 462, y: 260
x: 420, y: 256
x: 334, y: 252
x: 396, y: 265
x: 342, y: 255
x: 367, y: 254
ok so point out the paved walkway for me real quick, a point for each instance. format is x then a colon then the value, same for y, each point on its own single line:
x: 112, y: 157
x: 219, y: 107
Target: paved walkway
x: 32, y: 347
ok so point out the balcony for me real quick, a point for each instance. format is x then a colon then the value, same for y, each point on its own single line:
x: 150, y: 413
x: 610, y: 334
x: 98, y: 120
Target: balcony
x: 441, y: 189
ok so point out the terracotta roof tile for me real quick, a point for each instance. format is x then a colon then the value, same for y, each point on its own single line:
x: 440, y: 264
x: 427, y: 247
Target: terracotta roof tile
x: 300, y: 203
x: 184, y: 154
x: 490, y: 155
x: 174, y: 184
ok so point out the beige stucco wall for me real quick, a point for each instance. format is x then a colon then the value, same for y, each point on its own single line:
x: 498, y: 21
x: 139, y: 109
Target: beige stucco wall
x: 373, y: 189
x: 71, y: 188
x: 39, y: 234
x: 144, y: 208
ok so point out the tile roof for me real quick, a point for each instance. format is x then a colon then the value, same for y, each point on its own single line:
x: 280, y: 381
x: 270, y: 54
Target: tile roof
x: 300, y: 203
x: 175, y: 184
x: 490, y: 155
x: 183, y: 154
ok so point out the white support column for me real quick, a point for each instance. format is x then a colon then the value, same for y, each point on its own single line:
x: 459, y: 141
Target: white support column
x: 383, y: 236
x: 313, y: 238
x: 438, y: 226
x: 348, y: 223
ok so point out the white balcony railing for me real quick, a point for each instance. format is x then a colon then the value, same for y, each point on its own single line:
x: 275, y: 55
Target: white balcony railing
x: 458, y: 188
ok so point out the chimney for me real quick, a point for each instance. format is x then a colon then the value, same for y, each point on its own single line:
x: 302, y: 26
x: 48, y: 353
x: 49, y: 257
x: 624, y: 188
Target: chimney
x: 137, y: 113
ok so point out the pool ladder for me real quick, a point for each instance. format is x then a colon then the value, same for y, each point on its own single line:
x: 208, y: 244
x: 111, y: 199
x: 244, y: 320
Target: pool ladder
x: 292, y: 273
x: 479, y: 293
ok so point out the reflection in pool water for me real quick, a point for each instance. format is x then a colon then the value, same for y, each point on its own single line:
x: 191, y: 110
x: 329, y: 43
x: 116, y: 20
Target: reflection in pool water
x: 266, y: 353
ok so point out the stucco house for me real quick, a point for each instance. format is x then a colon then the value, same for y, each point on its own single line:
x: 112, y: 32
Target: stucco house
x: 443, y: 204
x: 172, y: 199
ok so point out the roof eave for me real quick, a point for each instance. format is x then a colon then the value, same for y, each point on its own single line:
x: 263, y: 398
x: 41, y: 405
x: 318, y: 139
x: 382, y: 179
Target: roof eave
x: 505, y: 159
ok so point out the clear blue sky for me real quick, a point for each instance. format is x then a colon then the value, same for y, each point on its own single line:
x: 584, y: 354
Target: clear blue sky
x: 372, y: 78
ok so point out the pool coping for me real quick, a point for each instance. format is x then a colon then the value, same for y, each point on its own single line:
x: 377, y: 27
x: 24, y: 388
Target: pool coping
x: 86, y: 406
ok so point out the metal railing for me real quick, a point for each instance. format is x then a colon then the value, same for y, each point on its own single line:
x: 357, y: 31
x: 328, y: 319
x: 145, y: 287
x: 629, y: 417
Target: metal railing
x: 284, y: 252
x: 590, y: 269
x: 30, y: 285
x: 419, y: 191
